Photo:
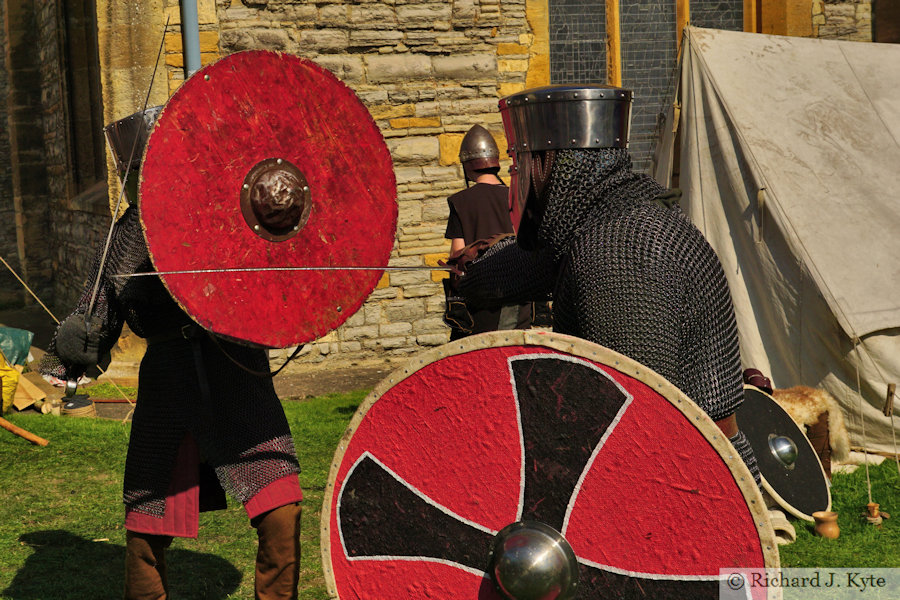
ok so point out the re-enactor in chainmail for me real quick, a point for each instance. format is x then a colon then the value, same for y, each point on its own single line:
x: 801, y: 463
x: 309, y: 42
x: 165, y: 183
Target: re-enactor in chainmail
x: 626, y: 270
x: 200, y: 424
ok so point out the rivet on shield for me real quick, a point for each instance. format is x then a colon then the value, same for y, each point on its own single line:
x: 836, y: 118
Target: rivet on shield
x: 275, y: 199
x: 784, y: 449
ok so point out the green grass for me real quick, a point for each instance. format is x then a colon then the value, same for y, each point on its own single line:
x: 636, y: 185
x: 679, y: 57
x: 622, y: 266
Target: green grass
x: 860, y: 544
x: 61, y: 534
x: 108, y: 390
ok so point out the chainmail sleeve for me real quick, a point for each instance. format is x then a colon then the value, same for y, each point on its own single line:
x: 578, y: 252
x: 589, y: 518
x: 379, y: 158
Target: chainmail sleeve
x: 126, y: 251
x: 507, y: 274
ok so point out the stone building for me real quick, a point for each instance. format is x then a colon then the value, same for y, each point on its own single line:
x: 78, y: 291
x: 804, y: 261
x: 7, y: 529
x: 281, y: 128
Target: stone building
x: 426, y: 70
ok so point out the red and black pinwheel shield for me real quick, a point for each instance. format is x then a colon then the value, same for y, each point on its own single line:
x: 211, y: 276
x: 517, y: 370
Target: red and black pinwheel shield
x: 265, y: 160
x: 510, y: 426
x: 791, y: 470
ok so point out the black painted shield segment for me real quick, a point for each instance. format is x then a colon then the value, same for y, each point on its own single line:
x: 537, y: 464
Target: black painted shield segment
x: 566, y: 407
x: 803, y: 488
x: 380, y: 516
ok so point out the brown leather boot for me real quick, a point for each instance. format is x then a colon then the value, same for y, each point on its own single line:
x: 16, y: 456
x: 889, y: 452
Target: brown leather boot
x: 145, y: 566
x: 278, y: 556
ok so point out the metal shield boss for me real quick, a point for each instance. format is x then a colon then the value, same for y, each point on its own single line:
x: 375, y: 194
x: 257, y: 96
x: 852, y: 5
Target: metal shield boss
x: 264, y: 162
x: 528, y: 465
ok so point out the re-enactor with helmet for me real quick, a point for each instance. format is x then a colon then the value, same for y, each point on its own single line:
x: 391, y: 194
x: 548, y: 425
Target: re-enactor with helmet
x: 625, y: 266
x: 201, y: 424
x: 478, y: 212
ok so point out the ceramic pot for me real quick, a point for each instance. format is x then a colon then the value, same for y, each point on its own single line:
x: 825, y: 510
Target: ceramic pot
x: 826, y: 524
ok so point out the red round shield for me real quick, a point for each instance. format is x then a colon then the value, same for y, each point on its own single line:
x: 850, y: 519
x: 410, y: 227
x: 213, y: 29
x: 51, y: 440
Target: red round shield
x: 264, y: 160
x: 521, y: 426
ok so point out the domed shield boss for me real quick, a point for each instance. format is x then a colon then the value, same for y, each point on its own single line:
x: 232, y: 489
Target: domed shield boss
x: 264, y: 162
x: 791, y: 471
x: 458, y: 471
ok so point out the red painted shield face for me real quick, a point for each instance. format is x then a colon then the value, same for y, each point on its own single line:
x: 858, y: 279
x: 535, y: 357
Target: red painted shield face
x: 263, y: 161
x: 506, y: 427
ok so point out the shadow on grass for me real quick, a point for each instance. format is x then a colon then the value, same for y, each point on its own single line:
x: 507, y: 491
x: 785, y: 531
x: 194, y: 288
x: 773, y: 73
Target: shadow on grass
x: 66, y: 566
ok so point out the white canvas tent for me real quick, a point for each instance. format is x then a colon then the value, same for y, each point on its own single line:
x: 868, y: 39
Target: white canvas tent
x: 790, y: 165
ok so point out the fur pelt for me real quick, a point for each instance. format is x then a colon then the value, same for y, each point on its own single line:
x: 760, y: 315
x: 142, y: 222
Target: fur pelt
x: 805, y: 404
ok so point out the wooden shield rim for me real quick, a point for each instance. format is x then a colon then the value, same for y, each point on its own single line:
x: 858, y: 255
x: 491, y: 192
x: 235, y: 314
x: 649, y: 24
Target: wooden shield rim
x: 576, y: 347
x: 765, y: 483
x: 371, y: 121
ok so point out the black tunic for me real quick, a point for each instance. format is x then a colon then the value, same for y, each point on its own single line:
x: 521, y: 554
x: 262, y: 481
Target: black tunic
x: 477, y: 213
x: 239, y: 426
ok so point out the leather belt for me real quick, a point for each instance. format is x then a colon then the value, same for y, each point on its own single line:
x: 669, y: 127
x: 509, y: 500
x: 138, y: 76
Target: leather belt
x: 187, y: 332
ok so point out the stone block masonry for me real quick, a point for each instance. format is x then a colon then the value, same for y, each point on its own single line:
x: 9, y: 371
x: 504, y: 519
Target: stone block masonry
x: 427, y: 70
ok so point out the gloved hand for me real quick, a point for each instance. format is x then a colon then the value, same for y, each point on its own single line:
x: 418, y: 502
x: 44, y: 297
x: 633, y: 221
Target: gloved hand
x: 78, y: 341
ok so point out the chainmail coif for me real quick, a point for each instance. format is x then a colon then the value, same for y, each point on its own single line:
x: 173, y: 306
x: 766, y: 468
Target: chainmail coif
x: 629, y: 273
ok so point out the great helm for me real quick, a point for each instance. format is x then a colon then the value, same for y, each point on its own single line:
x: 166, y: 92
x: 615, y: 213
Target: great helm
x: 478, y: 151
x: 127, y: 137
x: 558, y: 117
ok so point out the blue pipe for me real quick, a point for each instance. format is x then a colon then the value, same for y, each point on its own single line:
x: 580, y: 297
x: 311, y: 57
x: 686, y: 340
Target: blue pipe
x: 190, y: 34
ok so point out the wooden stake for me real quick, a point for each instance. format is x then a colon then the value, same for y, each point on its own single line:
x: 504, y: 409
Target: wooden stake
x: 889, y: 400
x: 613, y: 44
x: 38, y: 441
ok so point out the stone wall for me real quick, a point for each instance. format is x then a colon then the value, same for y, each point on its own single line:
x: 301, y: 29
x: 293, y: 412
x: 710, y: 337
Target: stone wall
x: 10, y: 294
x: 30, y: 144
x: 427, y: 70
x: 842, y: 19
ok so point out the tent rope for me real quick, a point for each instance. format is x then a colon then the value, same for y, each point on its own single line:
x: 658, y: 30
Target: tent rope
x: 52, y: 316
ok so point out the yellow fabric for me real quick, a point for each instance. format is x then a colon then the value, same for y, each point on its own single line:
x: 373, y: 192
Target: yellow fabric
x: 10, y: 379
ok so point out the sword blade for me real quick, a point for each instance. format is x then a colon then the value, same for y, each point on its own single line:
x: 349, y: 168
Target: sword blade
x: 259, y: 269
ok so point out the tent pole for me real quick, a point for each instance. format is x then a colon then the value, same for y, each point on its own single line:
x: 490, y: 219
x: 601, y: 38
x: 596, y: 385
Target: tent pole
x: 682, y: 18
x: 613, y: 44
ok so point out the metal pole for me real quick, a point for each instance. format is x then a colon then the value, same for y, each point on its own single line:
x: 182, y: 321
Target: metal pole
x: 190, y: 33
x: 613, y: 44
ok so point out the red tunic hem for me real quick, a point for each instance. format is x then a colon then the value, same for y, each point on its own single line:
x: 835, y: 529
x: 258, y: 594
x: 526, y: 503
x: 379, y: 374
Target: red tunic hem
x: 182, y: 512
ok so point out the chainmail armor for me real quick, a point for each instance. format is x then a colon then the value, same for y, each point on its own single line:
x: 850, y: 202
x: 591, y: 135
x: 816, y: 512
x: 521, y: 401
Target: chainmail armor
x: 628, y: 273
x: 243, y: 435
